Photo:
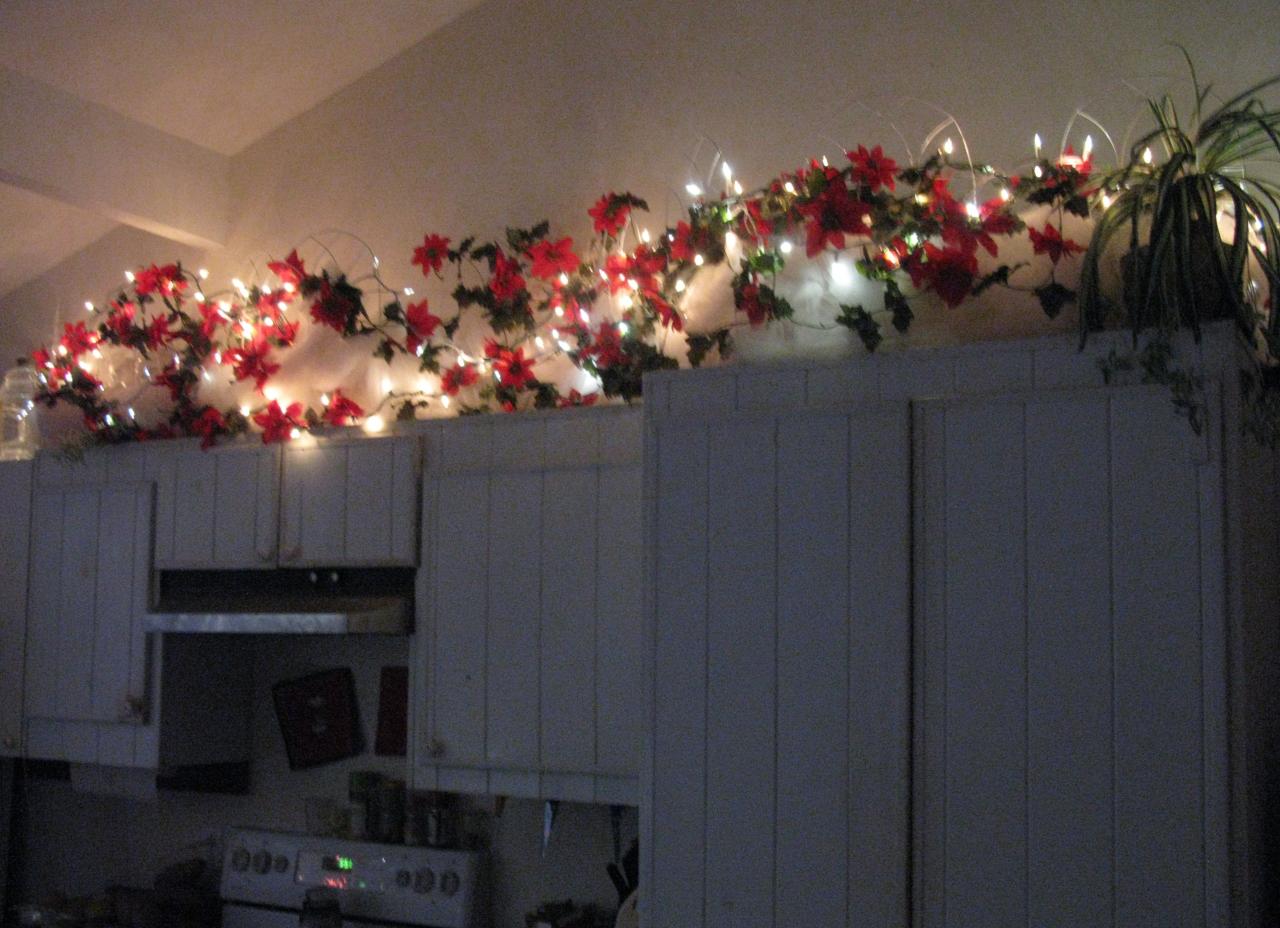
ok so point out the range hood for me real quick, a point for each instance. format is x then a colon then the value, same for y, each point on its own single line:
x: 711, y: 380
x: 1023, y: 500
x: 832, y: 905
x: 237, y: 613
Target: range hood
x: 370, y: 601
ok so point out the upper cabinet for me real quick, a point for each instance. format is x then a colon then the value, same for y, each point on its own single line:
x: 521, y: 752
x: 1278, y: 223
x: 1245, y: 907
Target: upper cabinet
x: 527, y: 657
x: 15, y: 491
x: 217, y: 508
x: 327, y: 503
x: 88, y: 668
x: 350, y: 502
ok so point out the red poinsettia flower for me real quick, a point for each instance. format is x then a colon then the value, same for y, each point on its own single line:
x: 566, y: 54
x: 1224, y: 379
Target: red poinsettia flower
x: 253, y: 362
x: 120, y: 319
x: 211, y: 319
x: 872, y: 168
x: 278, y: 424
x: 342, y: 410
x: 78, y: 340
x: 457, y: 377
x: 332, y: 307
x: 752, y: 226
x: 513, y: 368
x: 41, y: 359
x: 431, y: 254
x: 577, y: 399
x: 1050, y: 242
x: 173, y: 379
x: 208, y: 425
x: 949, y: 272
x: 606, y: 347
x: 290, y: 271
x: 749, y: 303
x: 669, y: 315
x: 551, y: 259
x: 506, y: 283
x: 831, y: 216
x: 420, y: 324
x: 610, y: 213
x: 154, y: 279
x: 158, y: 333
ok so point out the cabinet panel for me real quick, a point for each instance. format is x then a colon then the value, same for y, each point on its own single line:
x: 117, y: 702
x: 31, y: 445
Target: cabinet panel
x: 350, y: 502
x: 1064, y: 773
x: 88, y: 662
x: 216, y: 508
x: 15, y: 490
x: 619, y: 620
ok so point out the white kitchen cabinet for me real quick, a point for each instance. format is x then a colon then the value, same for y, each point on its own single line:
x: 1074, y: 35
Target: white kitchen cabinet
x: 527, y: 656
x: 350, y: 502
x: 958, y: 637
x: 215, y: 509
x: 15, y: 492
x: 88, y: 662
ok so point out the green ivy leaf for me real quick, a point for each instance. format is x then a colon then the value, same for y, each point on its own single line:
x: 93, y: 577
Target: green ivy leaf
x: 898, y: 306
x: 1053, y: 296
x: 857, y: 319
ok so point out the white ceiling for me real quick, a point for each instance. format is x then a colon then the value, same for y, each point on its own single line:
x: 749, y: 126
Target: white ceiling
x: 220, y: 74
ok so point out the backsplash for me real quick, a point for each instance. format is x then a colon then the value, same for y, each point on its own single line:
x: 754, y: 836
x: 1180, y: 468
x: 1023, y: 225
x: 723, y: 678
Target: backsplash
x: 74, y: 843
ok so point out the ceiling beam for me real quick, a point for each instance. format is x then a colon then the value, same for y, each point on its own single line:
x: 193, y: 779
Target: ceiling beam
x: 61, y: 146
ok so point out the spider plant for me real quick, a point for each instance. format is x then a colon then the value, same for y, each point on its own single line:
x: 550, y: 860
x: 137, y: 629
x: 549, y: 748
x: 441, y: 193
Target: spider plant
x: 1188, y: 175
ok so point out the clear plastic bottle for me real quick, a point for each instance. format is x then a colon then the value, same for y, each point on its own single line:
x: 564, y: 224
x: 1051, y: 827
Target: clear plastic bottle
x: 19, y: 418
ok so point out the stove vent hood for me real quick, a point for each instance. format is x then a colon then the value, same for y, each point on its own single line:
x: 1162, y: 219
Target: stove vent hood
x: 368, y: 601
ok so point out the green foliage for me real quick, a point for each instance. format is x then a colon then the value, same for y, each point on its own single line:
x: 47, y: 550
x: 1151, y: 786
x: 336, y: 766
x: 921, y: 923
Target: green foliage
x: 857, y: 319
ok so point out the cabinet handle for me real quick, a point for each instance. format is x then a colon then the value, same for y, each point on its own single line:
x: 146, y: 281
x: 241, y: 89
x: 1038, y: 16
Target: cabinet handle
x: 134, y: 707
x: 435, y: 749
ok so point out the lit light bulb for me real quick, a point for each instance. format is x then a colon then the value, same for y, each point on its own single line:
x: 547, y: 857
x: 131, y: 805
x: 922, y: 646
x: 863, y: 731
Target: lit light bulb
x: 699, y: 260
x: 726, y: 170
x: 891, y: 257
x: 271, y: 393
x: 244, y: 411
x: 625, y: 301
x: 1106, y: 201
x: 825, y: 162
x: 1035, y: 141
x: 444, y: 401
x: 295, y: 434
x: 972, y: 209
x: 288, y: 287
x: 324, y: 399
x: 374, y: 424
x: 1088, y: 147
x: 737, y: 188
x: 199, y: 297
x: 109, y: 420
x: 1005, y: 194
x: 203, y: 273
x: 376, y: 262
x: 1147, y: 157
x: 785, y: 247
x: 408, y: 291
x: 128, y: 275
x: 540, y: 342
x: 680, y: 286
x: 1038, y: 171
x: 559, y: 310
x: 644, y: 237
x: 132, y: 414
x: 623, y: 329
x: 789, y: 188
x: 386, y: 384
x: 584, y: 315
x: 948, y: 146
x: 564, y: 279
x: 88, y: 306
x: 693, y: 189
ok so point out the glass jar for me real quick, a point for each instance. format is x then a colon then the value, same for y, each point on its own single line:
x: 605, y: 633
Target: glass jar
x: 19, y: 419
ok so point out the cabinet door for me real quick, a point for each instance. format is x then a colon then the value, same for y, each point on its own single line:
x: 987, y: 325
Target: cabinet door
x: 216, y: 508
x: 1070, y: 653
x: 530, y: 609
x: 87, y: 651
x: 15, y: 491
x: 350, y: 503
x: 779, y: 640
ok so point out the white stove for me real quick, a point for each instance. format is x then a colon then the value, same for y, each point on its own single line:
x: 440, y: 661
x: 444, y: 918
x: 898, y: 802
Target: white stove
x: 266, y: 876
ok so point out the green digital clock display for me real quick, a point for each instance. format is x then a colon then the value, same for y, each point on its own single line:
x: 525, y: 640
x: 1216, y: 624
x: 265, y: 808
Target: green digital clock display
x: 337, y: 863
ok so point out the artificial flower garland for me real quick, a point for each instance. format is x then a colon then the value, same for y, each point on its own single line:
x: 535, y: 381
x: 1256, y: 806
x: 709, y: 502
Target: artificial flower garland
x: 539, y: 297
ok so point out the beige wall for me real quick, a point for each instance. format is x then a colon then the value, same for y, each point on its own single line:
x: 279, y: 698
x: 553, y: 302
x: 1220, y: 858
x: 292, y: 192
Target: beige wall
x: 526, y: 110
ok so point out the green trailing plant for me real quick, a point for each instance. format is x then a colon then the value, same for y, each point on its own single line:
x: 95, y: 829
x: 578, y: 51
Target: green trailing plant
x: 1195, y: 213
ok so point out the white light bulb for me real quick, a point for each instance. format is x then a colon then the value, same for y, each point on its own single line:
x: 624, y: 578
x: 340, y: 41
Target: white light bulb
x: 584, y: 315
x: 244, y: 411
x: 1005, y: 194
x: 699, y: 260
x: 203, y: 273
x: 374, y: 424
x: 972, y: 209
x: 1088, y: 147
x: 726, y: 170
x: 295, y: 434
x: 644, y: 236
x: 680, y: 286
x: 271, y: 394
x: 737, y: 188
x: 559, y: 310
x: 785, y: 247
x: 623, y: 328
x: 564, y: 280
x: 1106, y: 201
x: 1147, y: 157
x: 1038, y: 171
x: 948, y: 146
x: 408, y: 291
x: 540, y: 342
x: 444, y: 401
x: 386, y: 384
x: 789, y: 188
x: 88, y: 306
x: 693, y: 189
x: 825, y: 162
x: 128, y: 275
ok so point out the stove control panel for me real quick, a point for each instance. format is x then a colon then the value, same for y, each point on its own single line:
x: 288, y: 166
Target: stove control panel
x: 411, y: 885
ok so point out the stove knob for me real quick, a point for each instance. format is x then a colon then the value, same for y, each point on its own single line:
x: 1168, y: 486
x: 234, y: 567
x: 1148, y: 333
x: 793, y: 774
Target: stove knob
x: 450, y: 883
x: 424, y: 880
x: 281, y: 863
x: 261, y: 862
x: 403, y: 879
x: 240, y: 860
